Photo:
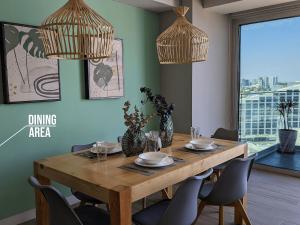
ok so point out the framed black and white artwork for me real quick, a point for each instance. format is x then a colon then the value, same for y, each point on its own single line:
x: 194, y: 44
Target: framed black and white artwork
x: 28, y: 76
x: 105, y: 78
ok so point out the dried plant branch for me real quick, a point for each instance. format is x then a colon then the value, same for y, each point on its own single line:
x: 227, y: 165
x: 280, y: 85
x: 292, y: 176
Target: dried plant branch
x: 159, y: 102
x: 136, y: 120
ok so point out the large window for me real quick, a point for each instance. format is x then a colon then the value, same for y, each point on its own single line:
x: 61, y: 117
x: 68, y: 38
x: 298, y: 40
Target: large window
x: 269, y: 72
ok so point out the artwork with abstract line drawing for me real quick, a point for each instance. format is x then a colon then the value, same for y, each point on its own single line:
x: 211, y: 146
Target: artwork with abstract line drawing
x: 105, y: 78
x: 27, y: 74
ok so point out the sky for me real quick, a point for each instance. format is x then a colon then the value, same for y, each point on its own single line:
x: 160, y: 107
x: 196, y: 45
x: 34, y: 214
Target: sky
x: 271, y: 49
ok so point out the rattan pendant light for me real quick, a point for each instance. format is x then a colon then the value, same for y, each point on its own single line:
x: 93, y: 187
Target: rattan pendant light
x: 182, y: 42
x: 76, y: 31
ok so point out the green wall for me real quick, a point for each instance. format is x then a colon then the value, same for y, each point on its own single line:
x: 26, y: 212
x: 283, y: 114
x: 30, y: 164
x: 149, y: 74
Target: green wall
x: 78, y: 120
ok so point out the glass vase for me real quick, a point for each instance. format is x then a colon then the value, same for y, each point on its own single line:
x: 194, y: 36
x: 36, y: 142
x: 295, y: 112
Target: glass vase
x: 166, y: 130
x: 133, y: 142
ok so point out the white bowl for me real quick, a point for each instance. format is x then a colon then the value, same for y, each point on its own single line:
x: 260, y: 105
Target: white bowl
x: 201, y: 144
x: 153, y: 157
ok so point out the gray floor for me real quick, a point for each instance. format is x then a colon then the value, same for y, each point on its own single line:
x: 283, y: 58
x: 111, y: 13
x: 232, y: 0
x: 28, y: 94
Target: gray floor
x: 273, y: 199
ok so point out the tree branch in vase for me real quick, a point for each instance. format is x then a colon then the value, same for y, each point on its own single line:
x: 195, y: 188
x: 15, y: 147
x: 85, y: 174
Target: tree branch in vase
x: 164, y: 111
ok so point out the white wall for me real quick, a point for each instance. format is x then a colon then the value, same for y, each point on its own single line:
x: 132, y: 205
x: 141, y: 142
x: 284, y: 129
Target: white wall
x: 211, y: 80
x: 201, y: 91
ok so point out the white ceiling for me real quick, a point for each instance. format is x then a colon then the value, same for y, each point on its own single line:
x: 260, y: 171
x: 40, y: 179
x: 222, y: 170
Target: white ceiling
x: 245, y: 5
x: 152, y: 5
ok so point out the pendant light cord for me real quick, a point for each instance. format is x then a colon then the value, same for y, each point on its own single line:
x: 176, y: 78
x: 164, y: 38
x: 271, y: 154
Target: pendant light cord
x: 180, y: 3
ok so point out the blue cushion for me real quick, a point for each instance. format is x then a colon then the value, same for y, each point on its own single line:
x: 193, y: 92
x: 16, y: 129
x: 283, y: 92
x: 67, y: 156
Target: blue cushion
x: 152, y: 214
x: 90, y: 215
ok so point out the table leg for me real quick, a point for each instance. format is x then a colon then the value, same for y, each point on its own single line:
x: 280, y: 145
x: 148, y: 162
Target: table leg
x: 237, y: 216
x: 120, y: 206
x: 167, y: 193
x: 42, y: 215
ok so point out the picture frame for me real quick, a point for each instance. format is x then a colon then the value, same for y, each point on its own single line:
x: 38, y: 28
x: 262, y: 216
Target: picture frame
x: 105, y: 79
x: 27, y: 75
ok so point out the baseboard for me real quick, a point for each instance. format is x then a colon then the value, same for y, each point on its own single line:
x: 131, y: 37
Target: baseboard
x: 19, y: 218
x: 30, y: 214
x: 276, y: 170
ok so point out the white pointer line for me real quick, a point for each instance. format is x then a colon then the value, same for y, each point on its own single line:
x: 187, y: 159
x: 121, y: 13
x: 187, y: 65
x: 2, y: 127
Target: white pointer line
x: 3, y: 143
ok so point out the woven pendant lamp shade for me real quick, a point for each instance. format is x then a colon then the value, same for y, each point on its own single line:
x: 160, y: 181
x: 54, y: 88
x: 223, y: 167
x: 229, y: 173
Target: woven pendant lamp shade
x: 182, y: 42
x: 76, y: 31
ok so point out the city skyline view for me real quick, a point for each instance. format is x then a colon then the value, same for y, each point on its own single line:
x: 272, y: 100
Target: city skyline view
x: 270, y: 73
x: 271, y: 49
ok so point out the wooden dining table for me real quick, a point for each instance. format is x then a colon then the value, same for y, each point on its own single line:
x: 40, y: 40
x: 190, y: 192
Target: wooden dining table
x: 119, y: 188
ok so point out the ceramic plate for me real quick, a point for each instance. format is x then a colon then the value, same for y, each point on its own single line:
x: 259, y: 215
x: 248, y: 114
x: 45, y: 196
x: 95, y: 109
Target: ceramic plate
x: 166, y: 162
x: 210, y: 148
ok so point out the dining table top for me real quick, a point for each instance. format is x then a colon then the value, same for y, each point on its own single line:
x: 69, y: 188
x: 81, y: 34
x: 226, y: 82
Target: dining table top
x: 97, y: 178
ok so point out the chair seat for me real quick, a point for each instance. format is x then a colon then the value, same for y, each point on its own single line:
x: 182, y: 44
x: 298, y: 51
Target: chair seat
x: 205, y: 190
x: 90, y: 215
x: 152, y: 214
x: 85, y: 198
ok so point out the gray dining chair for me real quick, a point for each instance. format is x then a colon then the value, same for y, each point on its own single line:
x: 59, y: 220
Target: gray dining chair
x: 84, y: 199
x: 60, y: 211
x: 181, y: 210
x: 229, y: 189
x: 224, y: 134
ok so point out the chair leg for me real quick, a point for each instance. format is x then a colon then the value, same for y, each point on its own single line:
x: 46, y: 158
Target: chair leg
x: 200, y: 209
x: 213, y: 177
x: 144, y: 203
x: 167, y: 193
x: 107, y: 207
x: 221, y: 215
x: 216, y: 175
x: 243, y: 212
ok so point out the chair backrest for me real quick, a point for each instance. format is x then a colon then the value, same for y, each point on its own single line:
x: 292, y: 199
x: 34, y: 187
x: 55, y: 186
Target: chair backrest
x: 231, y: 135
x: 232, y: 184
x: 76, y: 148
x: 120, y: 139
x: 183, y: 207
x: 59, y: 210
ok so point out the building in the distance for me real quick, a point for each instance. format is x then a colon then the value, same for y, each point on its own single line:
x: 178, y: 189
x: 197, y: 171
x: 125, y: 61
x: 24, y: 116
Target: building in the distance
x: 275, y: 80
x: 259, y: 119
x: 245, y: 83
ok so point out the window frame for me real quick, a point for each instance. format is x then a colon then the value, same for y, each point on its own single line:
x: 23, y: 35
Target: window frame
x: 264, y: 14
